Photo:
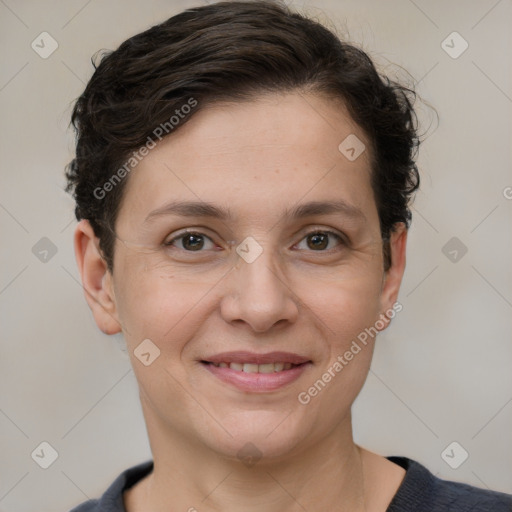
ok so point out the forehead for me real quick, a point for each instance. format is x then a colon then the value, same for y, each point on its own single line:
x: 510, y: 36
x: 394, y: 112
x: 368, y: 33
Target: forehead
x: 306, y: 124
x: 252, y: 155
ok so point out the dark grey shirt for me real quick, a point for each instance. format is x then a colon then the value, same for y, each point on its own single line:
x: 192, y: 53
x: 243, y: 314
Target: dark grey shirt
x: 420, y: 491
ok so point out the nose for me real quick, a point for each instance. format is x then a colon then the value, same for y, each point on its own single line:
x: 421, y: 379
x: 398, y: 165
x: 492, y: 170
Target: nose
x: 258, y: 294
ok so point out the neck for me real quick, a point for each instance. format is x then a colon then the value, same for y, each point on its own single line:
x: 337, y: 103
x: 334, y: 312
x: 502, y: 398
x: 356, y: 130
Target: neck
x: 327, y: 475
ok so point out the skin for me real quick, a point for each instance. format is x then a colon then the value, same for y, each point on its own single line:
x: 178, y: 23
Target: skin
x: 256, y: 158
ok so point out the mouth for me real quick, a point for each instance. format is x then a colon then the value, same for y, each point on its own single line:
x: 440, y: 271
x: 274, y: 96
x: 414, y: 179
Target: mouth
x: 253, y: 372
x: 254, y: 368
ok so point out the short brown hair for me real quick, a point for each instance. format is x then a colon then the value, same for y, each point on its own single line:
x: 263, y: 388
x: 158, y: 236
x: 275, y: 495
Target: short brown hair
x: 233, y: 51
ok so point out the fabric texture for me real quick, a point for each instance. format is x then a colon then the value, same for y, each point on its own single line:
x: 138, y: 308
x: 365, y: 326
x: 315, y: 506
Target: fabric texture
x: 420, y: 491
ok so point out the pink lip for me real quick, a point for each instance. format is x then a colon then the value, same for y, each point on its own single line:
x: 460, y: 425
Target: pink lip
x: 254, y: 358
x: 257, y: 382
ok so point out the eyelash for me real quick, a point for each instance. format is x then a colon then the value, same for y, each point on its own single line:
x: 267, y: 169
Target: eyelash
x: 183, y: 234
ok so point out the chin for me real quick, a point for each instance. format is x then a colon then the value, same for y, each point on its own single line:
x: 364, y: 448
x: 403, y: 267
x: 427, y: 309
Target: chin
x: 258, y: 435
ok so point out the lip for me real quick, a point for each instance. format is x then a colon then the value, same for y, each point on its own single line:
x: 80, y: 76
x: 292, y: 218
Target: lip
x: 255, y: 358
x: 256, y: 382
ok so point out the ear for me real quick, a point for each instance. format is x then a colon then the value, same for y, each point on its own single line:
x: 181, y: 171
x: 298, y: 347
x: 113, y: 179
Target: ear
x: 97, y: 281
x: 393, y: 276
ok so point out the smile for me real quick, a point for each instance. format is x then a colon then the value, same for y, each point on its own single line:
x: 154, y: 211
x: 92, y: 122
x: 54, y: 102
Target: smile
x: 252, y: 372
x: 256, y: 368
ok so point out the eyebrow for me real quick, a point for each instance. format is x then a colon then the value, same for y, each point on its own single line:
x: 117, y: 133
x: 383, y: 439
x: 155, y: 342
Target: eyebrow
x: 204, y: 209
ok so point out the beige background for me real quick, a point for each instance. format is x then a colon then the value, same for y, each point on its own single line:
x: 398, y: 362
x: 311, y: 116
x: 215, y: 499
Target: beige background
x: 441, y: 373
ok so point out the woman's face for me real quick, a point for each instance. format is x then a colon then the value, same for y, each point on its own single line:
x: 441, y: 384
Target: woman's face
x: 272, y: 275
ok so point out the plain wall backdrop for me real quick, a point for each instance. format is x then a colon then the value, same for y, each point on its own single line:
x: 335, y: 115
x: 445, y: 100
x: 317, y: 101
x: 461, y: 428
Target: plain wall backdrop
x: 441, y: 372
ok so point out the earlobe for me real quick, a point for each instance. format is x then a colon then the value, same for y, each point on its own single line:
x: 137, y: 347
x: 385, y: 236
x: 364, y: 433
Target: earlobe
x: 96, y: 279
x: 393, y: 276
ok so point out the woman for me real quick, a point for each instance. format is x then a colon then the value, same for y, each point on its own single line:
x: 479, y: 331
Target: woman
x: 242, y: 181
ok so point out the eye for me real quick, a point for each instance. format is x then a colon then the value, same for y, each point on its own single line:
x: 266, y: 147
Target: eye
x: 194, y: 241
x: 319, y: 240
x: 190, y: 241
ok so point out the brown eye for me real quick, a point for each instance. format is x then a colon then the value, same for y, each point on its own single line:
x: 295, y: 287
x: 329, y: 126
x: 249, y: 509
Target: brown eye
x: 193, y: 242
x: 319, y: 240
x: 190, y: 241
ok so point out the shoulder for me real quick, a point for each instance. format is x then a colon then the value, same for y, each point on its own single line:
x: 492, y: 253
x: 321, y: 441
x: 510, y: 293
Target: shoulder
x: 421, y: 491
x: 87, y: 506
x: 112, y: 499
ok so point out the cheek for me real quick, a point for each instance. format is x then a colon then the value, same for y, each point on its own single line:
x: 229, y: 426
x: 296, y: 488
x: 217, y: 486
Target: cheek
x: 348, y: 310
x: 348, y: 307
x: 151, y: 303
x: 158, y: 300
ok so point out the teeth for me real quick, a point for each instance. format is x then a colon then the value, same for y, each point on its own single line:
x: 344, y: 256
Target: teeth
x: 250, y: 368
x: 256, y: 368
x: 266, y: 368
